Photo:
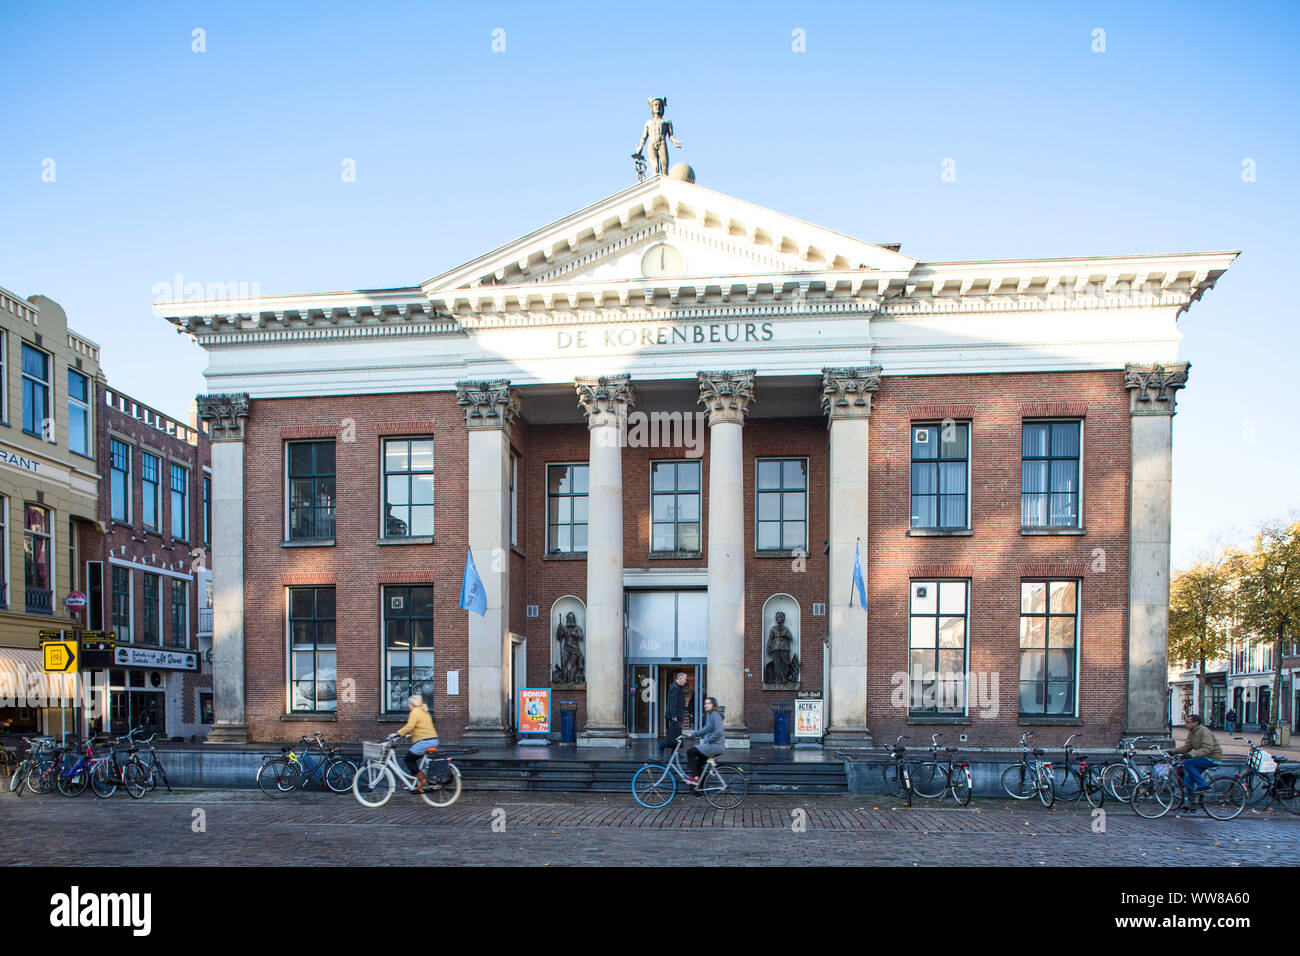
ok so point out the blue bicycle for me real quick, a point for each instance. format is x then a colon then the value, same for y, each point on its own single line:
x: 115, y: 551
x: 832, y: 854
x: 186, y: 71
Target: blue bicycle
x: 73, y: 780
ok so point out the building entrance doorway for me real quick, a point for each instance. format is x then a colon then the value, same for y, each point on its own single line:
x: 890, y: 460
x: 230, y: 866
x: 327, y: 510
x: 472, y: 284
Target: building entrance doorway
x: 667, y: 632
x: 648, y: 694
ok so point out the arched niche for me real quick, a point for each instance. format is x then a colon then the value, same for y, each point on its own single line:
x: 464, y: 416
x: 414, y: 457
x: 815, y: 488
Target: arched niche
x: 558, y: 626
x: 773, y: 645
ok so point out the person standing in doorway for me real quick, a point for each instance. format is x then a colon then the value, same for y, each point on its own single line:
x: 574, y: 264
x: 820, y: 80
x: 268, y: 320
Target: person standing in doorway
x: 674, y: 711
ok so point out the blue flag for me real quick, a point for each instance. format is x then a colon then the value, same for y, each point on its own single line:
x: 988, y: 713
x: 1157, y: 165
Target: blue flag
x: 858, y: 584
x: 472, y: 596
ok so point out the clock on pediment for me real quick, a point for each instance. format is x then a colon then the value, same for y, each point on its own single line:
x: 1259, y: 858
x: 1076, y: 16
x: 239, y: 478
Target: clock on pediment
x: 662, y: 261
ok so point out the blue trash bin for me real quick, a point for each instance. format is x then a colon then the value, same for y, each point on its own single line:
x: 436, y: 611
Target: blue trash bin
x: 782, y: 721
x: 568, y: 721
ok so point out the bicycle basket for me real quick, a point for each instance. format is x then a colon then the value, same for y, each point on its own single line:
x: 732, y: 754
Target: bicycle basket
x: 438, y: 770
x: 1266, y: 762
x: 1161, y: 770
x: 373, y: 751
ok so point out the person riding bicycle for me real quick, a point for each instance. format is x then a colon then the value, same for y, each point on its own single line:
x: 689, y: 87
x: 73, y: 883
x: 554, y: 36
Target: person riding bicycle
x: 1204, y: 751
x: 712, y: 740
x: 424, y: 737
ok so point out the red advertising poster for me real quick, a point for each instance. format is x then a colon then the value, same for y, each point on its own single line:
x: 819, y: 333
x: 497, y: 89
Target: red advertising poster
x: 534, y: 710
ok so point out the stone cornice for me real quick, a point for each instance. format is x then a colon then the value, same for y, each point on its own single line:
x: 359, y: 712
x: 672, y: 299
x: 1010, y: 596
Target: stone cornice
x: 605, y: 399
x: 1152, y: 388
x: 226, y: 414
x: 489, y: 406
x: 846, y: 391
x: 727, y: 395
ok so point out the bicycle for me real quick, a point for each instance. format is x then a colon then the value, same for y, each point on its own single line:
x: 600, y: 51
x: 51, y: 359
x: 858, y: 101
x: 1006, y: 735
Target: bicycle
x: 655, y: 784
x: 72, y: 781
x: 34, y: 772
x: 1029, y: 779
x: 1119, y: 779
x: 1085, y: 781
x: 281, y: 775
x: 949, y: 779
x: 376, y: 780
x: 153, y: 768
x: 1166, y: 785
x: 110, y: 773
x: 1282, y: 784
x: 897, y: 775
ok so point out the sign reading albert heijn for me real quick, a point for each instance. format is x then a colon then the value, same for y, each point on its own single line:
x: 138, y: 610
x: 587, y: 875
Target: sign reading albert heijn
x: 157, y: 658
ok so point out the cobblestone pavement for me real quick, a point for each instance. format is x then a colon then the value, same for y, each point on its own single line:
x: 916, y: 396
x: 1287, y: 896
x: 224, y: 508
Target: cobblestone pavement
x: 244, y: 827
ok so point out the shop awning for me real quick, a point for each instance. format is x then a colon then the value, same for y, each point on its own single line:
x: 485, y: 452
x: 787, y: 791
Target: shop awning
x: 24, y: 683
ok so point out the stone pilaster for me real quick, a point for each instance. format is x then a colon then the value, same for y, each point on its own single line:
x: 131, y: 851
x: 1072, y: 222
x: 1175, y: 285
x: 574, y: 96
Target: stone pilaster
x: 491, y: 409
x: 1152, y: 402
x: 727, y: 396
x: 226, y: 417
x: 605, y: 401
x: 846, y: 401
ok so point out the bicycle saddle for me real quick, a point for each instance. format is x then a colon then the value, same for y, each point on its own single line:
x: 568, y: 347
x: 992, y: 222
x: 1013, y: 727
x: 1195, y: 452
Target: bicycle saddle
x: 1281, y: 759
x: 1037, y: 752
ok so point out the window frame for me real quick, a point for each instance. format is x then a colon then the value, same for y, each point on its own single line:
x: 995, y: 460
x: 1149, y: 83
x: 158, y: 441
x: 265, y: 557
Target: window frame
x: 207, y: 509
x: 129, y: 612
x: 514, y: 500
x: 315, y: 476
x: 316, y: 620
x: 676, y: 494
x: 4, y: 552
x: 781, y: 492
x: 938, y: 494
x: 179, y: 514
x: 145, y: 484
x: 77, y: 406
x: 571, y: 523
x: 113, y: 472
x: 1047, y: 616
x: 937, y: 713
x: 386, y: 592
x: 410, y: 474
x: 156, y: 618
x: 51, y: 565
x: 1050, y: 459
x: 179, y: 586
x: 47, y: 384
x: 4, y: 376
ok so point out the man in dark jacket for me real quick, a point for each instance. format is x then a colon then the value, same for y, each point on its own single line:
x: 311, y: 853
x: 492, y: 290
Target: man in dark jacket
x: 674, y: 711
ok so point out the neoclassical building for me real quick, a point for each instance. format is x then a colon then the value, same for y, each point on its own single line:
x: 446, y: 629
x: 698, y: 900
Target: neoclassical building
x: 661, y: 422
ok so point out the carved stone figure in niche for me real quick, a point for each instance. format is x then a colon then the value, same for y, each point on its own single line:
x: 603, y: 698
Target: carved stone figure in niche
x: 783, y: 665
x: 572, y: 666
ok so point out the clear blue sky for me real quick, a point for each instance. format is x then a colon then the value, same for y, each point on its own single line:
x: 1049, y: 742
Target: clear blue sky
x: 225, y: 166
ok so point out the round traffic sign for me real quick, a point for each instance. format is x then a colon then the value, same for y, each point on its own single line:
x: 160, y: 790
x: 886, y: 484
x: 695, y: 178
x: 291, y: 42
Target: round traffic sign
x: 75, y: 601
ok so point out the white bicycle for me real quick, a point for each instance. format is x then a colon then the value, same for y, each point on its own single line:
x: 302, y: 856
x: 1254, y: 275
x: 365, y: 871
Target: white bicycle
x: 376, y: 779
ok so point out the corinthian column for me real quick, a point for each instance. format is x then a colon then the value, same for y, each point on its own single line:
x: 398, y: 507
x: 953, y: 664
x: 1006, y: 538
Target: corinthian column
x: 846, y: 400
x: 225, y: 416
x: 727, y: 396
x: 1151, y: 391
x: 605, y: 401
x: 491, y: 409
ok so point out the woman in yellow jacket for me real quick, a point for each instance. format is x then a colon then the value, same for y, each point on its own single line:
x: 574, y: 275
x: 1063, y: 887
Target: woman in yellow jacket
x: 424, y: 737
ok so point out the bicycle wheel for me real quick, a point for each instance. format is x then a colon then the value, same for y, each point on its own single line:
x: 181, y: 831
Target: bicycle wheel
x: 892, y: 778
x: 1018, y: 782
x: 1093, y: 790
x: 653, y: 786
x: 1119, y: 779
x: 1153, y: 798
x: 1046, y: 787
x: 102, y: 784
x: 961, y: 785
x: 373, y: 784
x: 339, y: 773
x: 274, y: 778
x: 40, y: 779
x: 725, y: 787
x: 18, y: 780
x: 1224, y: 798
x: 158, y: 775
x: 1068, y: 785
x: 928, y: 780
x: 445, y: 792
x: 1286, y: 788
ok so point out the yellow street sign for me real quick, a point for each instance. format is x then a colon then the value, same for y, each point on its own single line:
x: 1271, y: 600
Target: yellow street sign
x: 59, y: 657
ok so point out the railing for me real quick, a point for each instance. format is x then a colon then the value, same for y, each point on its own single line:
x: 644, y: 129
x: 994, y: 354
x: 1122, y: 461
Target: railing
x: 205, y: 620
x: 40, y: 601
x: 150, y: 416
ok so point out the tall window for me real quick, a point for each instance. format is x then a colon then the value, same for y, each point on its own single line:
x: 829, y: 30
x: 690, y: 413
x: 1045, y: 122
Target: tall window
x: 207, y: 510
x: 120, y: 479
x: 36, y: 554
x: 78, y: 412
x: 940, y: 472
x: 408, y: 487
x: 408, y: 645
x: 1049, y: 619
x: 675, y: 506
x: 514, y: 501
x: 152, y: 610
x: 312, y: 653
x: 121, y: 596
x: 180, y: 617
x: 937, y: 642
x: 180, y: 502
x: 36, y: 390
x: 4, y: 552
x: 311, y: 489
x: 149, y: 487
x: 1049, y: 483
x: 4, y: 376
x: 782, y: 491
x: 566, y: 531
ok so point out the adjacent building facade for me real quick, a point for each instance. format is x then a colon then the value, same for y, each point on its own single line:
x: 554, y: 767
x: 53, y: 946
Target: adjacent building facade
x: 669, y: 427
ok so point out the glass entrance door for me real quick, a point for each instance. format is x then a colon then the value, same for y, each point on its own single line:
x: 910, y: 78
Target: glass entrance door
x: 642, y: 709
x: 667, y: 674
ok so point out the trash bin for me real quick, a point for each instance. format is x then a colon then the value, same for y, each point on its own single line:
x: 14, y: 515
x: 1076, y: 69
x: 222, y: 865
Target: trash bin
x: 782, y: 720
x: 568, y: 721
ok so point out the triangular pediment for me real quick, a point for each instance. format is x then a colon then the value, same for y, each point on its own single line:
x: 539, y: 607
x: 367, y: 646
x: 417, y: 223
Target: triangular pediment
x: 708, y: 234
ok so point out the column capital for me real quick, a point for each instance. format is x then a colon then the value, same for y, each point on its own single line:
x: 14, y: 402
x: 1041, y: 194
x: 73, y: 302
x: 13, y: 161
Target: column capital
x: 727, y: 395
x: 225, y: 413
x: 605, y: 400
x: 489, y: 406
x: 844, y: 391
x: 1151, y: 388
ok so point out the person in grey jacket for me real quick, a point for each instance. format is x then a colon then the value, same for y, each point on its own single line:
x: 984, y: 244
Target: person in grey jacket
x: 712, y: 740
